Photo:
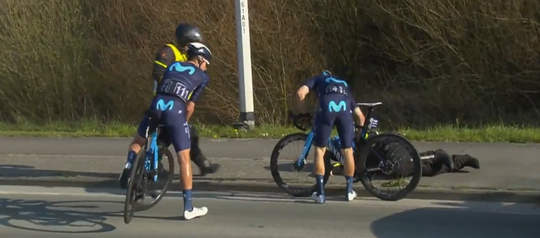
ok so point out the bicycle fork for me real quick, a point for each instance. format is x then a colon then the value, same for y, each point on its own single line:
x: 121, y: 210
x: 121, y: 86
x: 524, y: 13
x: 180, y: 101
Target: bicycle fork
x: 301, y: 161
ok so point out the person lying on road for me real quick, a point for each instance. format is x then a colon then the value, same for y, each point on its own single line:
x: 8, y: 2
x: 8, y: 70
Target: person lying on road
x: 436, y: 162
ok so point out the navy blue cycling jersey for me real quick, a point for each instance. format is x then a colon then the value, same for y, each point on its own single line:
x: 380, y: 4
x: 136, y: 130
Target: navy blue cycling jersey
x: 328, y: 86
x: 336, y: 107
x: 184, y: 81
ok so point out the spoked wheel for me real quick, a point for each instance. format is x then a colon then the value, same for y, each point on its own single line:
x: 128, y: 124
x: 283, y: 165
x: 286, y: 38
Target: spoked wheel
x: 283, y: 166
x: 144, y: 187
x: 391, y: 159
x: 157, y: 190
x: 136, y: 187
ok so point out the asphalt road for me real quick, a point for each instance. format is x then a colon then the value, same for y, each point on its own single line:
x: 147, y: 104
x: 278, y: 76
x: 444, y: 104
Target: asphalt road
x: 70, y: 212
x: 240, y: 148
x: 503, y: 166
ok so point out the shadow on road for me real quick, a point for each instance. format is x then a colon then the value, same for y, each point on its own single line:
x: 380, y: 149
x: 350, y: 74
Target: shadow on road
x: 23, y: 171
x: 288, y: 167
x: 19, y: 175
x: 11, y: 172
x: 71, y: 217
x: 462, y: 219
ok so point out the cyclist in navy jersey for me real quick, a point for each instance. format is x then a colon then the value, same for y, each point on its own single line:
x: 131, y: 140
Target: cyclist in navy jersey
x: 165, y: 56
x: 176, y: 94
x: 336, y: 107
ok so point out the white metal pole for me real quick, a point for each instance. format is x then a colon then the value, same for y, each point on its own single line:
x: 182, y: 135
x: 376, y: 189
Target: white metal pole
x: 243, y: 52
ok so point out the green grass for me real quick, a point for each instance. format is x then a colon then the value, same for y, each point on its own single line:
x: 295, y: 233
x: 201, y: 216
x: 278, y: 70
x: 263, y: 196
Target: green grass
x: 496, y: 133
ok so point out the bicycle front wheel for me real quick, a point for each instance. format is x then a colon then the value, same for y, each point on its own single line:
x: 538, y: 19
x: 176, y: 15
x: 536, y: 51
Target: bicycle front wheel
x: 135, y: 186
x: 157, y: 190
x: 282, y: 166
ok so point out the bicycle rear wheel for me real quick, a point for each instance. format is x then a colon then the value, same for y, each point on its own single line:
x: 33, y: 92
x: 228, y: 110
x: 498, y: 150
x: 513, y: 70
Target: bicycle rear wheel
x: 135, y: 186
x: 279, y: 171
x: 400, y: 159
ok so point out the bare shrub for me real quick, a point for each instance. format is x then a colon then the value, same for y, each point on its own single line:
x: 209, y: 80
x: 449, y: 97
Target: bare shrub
x: 430, y: 62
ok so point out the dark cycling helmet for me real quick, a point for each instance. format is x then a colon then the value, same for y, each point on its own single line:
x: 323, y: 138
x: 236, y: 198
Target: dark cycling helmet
x: 199, y: 49
x: 187, y: 33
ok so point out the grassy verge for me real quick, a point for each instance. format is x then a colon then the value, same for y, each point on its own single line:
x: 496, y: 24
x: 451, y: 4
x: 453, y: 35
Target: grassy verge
x: 499, y: 133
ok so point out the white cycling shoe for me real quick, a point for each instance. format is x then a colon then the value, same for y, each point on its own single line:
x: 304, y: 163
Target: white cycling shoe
x: 351, y: 196
x: 196, y: 212
x: 318, y: 199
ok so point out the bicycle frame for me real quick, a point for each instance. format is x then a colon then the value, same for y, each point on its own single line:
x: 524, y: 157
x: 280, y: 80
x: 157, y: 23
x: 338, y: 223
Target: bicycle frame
x: 151, y: 164
x: 305, y: 151
x: 307, y: 145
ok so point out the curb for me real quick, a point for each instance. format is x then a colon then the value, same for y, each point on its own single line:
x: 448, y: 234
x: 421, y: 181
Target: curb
x: 461, y: 194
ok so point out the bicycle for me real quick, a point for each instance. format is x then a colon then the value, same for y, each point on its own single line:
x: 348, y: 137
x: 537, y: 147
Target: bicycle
x: 362, y: 149
x: 145, y: 170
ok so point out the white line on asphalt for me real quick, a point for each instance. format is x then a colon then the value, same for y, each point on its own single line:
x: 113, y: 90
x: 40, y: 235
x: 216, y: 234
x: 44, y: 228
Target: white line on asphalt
x: 405, y: 204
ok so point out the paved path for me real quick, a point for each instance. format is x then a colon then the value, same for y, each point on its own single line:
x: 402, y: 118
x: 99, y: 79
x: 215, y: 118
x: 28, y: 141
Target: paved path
x: 68, y: 212
x: 503, y: 166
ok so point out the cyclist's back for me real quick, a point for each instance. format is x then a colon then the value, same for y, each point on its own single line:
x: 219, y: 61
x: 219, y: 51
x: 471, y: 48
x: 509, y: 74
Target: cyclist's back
x: 181, y: 82
x: 174, y: 103
x: 336, y: 106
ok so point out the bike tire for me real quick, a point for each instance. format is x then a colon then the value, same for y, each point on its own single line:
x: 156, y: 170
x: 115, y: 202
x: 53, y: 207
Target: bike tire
x: 362, y: 174
x: 293, y: 190
x: 133, y: 183
x: 168, y: 182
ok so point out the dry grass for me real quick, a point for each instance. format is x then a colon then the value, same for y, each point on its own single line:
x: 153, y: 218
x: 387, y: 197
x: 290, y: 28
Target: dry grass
x: 431, y: 62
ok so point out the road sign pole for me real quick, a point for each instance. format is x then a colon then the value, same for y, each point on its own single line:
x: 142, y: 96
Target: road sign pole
x: 247, y: 115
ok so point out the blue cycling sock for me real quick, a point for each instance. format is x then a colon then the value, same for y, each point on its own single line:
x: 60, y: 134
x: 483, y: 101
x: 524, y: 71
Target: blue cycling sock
x: 320, y: 185
x: 187, y: 200
x: 130, y: 158
x: 349, y: 181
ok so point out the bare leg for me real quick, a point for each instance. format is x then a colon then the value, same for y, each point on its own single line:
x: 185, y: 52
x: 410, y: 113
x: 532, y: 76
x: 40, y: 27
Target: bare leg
x: 136, y: 144
x: 319, y: 174
x: 349, y: 162
x: 186, y: 176
x: 186, y: 181
x: 319, y: 160
x: 134, y: 148
x: 349, y: 171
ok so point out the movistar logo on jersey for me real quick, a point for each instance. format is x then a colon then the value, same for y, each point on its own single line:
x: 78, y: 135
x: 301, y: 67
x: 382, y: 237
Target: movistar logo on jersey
x: 335, y: 80
x: 180, y: 68
x: 162, y: 106
x: 337, y: 107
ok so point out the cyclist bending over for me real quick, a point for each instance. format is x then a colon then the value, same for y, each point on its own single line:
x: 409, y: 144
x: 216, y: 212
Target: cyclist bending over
x: 165, y: 56
x: 174, y: 102
x: 336, y: 107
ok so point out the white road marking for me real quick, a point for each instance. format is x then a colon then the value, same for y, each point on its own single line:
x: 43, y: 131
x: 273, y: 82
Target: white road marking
x: 405, y: 204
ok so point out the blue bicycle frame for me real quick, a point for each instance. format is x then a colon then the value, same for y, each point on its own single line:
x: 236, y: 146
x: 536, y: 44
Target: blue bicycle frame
x: 152, y: 152
x: 307, y: 146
